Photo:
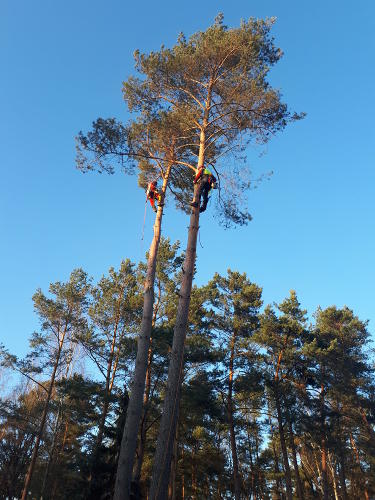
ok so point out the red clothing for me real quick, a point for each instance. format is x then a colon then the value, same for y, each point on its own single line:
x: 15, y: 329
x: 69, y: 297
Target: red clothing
x: 152, y: 194
x: 203, y: 171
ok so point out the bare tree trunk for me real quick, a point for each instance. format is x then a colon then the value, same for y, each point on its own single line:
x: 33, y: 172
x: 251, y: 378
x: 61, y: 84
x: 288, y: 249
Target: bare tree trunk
x: 163, y: 454
x: 172, y: 483
x: 295, y: 463
x: 284, y: 451
x: 34, y: 455
x: 134, y: 411
x: 142, y: 433
x: 236, y: 476
x: 143, y: 429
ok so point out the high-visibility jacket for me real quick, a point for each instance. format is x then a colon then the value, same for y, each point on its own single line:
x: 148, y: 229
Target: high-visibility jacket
x: 203, y: 171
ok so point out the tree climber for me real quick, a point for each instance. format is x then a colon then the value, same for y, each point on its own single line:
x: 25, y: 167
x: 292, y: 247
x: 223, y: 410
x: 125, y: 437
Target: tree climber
x: 153, y: 194
x: 207, y: 180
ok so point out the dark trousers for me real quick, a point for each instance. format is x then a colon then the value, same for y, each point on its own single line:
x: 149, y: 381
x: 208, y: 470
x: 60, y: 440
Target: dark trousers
x: 205, y: 189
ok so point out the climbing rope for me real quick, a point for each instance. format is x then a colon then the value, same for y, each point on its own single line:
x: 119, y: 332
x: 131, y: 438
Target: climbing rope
x: 143, y: 227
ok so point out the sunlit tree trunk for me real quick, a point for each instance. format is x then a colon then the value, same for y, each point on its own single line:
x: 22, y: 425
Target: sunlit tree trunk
x: 134, y: 411
x: 143, y: 429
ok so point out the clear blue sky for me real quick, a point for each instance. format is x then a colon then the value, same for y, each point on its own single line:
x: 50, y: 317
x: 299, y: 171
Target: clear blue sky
x: 62, y: 67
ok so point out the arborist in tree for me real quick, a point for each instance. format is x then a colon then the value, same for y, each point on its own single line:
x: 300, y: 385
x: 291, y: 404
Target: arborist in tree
x: 207, y: 180
x: 153, y: 194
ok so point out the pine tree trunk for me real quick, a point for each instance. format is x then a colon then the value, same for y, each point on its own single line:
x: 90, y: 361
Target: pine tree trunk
x: 142, y: 433
x: 295, y: 463
x: 236, y: 476
x: 163, y: 453
x: 134, y: 411
x: 143, y: 430
x: 172, y: 483
x: 284, y: 451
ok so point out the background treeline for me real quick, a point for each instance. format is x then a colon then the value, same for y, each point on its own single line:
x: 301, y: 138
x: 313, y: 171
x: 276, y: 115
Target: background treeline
x: 273, y: 405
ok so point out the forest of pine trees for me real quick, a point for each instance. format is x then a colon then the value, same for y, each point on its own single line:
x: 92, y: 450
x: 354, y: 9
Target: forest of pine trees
x: 145, y: 385
x: 273, y: 405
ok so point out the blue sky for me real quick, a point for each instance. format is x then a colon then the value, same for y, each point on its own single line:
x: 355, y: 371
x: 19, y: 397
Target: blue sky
x: 313, y: 229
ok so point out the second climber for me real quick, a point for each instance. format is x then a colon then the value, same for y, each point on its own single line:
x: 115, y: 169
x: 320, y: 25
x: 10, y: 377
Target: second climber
x: 207, y: 180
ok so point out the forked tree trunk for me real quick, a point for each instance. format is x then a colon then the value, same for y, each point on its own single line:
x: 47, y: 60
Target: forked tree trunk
x: 163, y: 453
x: 34, y: 455
x: 134, y: 411
x: 233, y: 445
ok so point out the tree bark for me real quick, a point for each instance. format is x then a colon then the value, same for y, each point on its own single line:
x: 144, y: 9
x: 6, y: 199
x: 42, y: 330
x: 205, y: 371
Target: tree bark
x: 134, y: 411
x: 236, y: 476
x: 143, y: 429
x: 163, y: 454
x: 172, y: 483
x: 142, y: 433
